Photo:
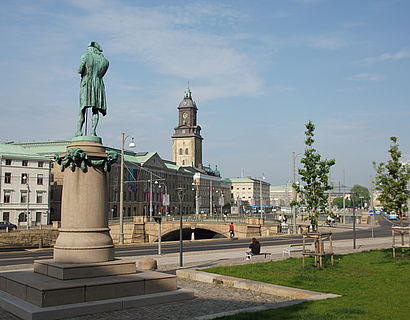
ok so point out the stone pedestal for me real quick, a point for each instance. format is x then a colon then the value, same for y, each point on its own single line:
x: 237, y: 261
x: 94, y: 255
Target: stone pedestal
x: 84, y: 234
x: 83, y: 277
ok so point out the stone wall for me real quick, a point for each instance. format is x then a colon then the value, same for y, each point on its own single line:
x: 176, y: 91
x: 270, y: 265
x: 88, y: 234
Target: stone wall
x: 33, y: 238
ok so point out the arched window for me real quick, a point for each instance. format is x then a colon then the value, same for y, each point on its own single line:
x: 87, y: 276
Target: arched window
x: 183, y: 162
x: 23, y: 217
x: 186, y: 151
x: 180, y: 151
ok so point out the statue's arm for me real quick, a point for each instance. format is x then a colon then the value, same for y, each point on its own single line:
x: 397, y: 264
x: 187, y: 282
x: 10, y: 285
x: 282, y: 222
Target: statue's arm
x: 81, y: 68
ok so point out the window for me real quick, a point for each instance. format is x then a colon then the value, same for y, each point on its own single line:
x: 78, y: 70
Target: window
x: 39, y: 179
x: 52, y: 165
x: 180, y: 151
x: 23, y: 217
x: 183, y: 162
x: 38, y: 217
x: 24, y: 163
x: 52, y: 177
x: 6, y: 216
x: 23, y: 196
x: 7, y: 177
x: 39, y: 197
x: 8, y: 162
x: 40, y: 164
x: 7, y: 197
x: 186, y: 151
x: 24, y: 178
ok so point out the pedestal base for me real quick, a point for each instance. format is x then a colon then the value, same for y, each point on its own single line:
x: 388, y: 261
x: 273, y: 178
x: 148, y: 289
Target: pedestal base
x: 28, y: 311
x: 71, y: 271
x: 31, y: 295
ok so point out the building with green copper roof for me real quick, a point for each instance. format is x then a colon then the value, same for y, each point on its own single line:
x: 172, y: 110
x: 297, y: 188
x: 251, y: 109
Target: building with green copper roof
x: 24, y: 186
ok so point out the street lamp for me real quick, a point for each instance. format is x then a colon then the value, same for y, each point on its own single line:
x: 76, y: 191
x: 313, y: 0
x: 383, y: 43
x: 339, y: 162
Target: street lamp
x: 295, y: 195
x: 260, y: 193
x: 181, y: 193
x: 151, y: 209
x: 354, y: 220
x: 131, y: 145
x: 25, y: 181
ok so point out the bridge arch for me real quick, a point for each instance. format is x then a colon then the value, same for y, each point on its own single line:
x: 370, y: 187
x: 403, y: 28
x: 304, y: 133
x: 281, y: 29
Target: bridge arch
x: 171, y: 230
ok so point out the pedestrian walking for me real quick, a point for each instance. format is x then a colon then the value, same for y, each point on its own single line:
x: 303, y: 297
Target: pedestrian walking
x: 231, y: 231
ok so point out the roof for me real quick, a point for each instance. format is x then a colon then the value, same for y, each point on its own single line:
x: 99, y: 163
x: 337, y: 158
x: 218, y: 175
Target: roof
x: 238, y: 180
x: 45, y: 148
x: 16, y: 151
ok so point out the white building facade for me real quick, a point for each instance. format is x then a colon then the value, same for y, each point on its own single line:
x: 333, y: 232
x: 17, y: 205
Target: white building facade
x: 24, y: 186
x: 248, y: 190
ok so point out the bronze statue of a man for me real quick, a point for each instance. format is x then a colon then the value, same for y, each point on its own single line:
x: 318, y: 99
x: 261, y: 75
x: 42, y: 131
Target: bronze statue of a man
x: 93, y: 67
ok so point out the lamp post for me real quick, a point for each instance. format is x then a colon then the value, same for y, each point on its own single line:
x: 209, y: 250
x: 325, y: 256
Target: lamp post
x: 210, y: 198
x: 354, y: 221
x: 131, y: 145
x: 25, y: 180
x: 295, y: 195
x: 260, y: 194
x: 151, y: 209
x: 181, y: 193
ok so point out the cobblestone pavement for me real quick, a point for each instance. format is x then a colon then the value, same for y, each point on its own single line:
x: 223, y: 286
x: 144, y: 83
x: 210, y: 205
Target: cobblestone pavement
x: 209, y: 299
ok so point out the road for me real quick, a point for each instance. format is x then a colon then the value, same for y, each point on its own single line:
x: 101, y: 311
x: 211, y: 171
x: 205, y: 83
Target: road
x: 27, y: 257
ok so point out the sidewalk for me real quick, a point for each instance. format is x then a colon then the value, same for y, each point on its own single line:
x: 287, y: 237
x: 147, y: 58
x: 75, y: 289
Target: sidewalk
x: 211, y: 299
x: 237, y: 256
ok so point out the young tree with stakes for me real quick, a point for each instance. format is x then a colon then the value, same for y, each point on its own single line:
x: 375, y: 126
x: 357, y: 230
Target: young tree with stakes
x: 315, y: 175
x: 391, y: 180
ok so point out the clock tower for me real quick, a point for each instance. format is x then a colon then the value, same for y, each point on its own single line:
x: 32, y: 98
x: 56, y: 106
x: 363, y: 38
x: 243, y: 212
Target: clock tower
x: 187, y: 140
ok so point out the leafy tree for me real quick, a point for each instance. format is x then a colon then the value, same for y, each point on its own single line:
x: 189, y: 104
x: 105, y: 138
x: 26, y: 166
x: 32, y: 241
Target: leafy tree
x: 361, y: 192
x: 315, y: 175
x: 391, y: 180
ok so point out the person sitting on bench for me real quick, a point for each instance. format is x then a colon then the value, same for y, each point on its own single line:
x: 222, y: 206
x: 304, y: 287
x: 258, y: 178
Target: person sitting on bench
x: 255, y: 247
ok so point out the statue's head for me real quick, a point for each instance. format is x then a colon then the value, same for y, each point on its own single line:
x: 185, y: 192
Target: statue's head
x: 96, y: 45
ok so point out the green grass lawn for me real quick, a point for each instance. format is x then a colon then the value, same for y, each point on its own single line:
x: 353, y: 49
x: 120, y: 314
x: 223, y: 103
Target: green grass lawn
x: 373, y: 286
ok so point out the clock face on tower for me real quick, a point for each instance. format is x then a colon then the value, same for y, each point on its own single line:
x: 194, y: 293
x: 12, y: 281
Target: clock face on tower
x: 185, y: 115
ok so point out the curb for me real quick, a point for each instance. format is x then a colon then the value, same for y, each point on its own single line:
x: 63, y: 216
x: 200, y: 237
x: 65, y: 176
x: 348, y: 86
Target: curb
x: 273, y: 289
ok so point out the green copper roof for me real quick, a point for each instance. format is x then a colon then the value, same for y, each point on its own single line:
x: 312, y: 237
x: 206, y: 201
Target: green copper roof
x: 45, y: 148
x: 15, y: 151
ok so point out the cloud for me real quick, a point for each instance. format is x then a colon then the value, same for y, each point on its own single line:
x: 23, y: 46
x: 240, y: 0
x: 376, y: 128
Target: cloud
x: 169, y: 41
x: 329, y: 41
x: 400, y: 55
x: 366, y: 77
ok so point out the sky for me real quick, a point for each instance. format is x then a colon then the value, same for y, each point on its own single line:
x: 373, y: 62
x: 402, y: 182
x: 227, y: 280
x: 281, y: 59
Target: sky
x: 258, y: 71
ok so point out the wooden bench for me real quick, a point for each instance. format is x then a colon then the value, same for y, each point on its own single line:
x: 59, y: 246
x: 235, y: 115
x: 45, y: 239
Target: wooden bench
x: 260, y: 254
x: 295, y: 247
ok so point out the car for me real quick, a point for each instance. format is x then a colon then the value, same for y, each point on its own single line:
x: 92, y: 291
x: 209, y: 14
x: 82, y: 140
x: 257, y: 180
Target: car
x: 6, y: 224
x: 393, y: 216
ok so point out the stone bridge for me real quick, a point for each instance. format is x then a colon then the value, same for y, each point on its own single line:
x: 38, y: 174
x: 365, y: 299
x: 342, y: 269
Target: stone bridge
x: 141, y: 230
